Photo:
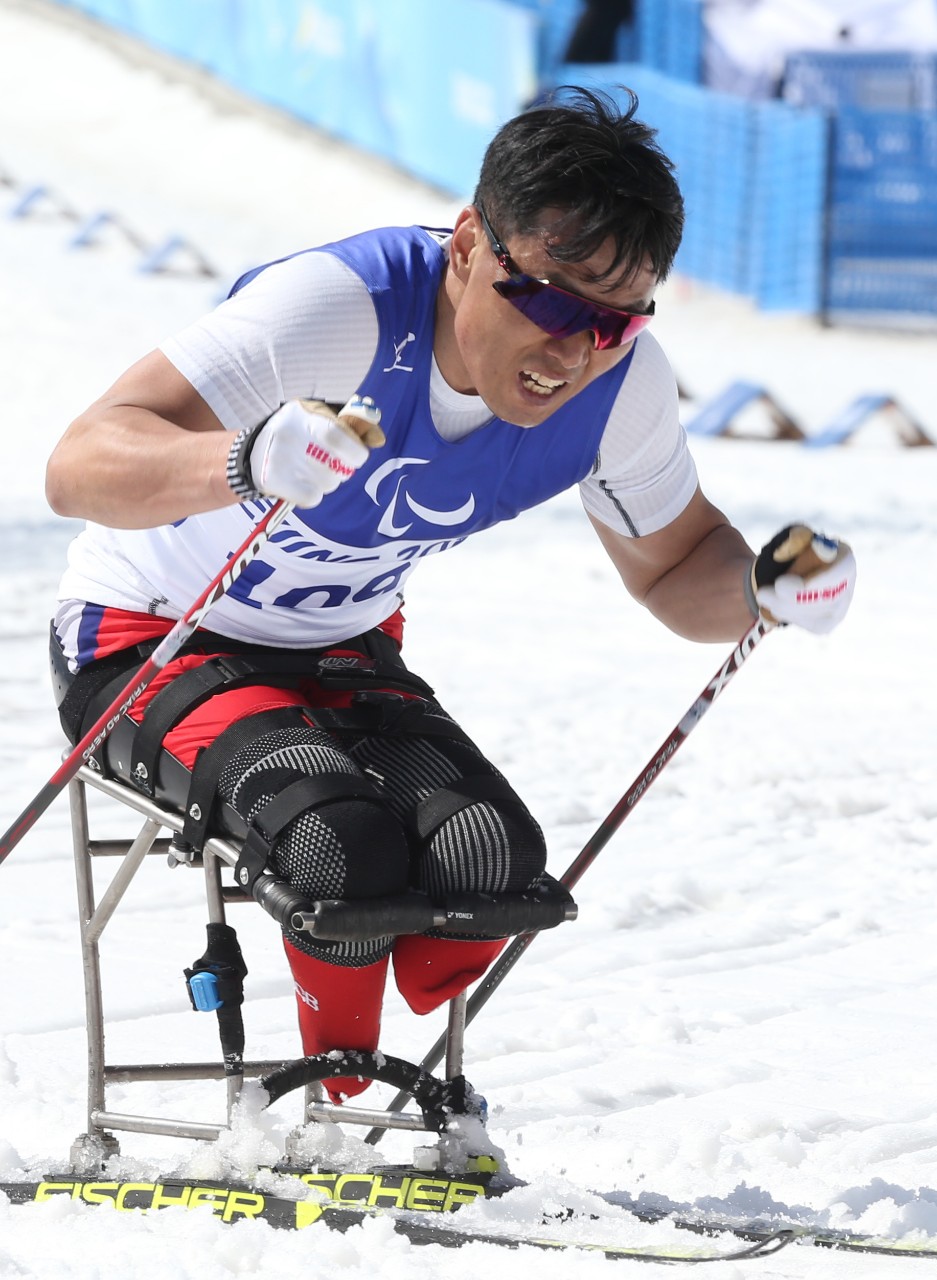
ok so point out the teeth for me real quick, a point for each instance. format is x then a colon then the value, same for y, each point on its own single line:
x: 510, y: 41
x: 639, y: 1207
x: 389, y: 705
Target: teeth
x: 540, y: 383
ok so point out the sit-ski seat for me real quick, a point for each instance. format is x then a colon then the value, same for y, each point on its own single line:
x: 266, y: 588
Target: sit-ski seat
x: 216, y: 980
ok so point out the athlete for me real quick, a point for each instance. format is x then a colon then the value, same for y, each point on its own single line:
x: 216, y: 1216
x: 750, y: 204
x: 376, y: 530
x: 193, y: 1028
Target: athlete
x: 500, y: 363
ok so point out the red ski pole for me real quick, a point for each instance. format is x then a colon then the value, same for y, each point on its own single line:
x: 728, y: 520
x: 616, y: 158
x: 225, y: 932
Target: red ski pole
x: 167, y: 648
x: 359, y: 415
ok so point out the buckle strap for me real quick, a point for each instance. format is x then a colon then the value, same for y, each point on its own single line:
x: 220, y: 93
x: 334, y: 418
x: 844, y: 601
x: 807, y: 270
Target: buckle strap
x: 303, y: 794
x: 443, y: 804
x: 202, y: 796
x: 188, y: 690
x: 182, y: 695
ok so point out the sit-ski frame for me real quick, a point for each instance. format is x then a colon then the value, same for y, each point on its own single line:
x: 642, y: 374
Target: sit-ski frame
x: 98, y: 1142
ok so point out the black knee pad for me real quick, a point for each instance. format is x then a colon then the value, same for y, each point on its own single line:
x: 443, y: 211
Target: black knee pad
x: 477, y: 835
x: 339, y: 845
x: 342, y: 841
x: 343, y: 847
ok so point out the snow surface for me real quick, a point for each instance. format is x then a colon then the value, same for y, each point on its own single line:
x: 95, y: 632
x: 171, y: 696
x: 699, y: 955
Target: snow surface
x: 743, y: 1015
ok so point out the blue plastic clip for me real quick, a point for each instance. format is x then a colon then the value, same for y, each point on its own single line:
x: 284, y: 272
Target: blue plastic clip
x: 204, y: 989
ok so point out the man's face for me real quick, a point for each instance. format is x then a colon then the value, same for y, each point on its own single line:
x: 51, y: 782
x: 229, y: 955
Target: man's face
x: 520, y: 371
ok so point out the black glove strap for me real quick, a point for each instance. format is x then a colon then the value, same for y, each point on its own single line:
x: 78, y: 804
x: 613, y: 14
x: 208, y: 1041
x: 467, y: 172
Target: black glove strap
x: 237, y: 470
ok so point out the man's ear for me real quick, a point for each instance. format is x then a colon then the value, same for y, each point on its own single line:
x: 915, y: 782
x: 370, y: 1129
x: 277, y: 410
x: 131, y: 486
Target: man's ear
x: 465, y: 237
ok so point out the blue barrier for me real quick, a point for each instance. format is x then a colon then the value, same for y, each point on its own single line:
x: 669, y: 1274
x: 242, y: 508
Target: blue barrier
x: 882, y: 251
x: 891, y: 81
x: 859, y: 412
x: 173, y: 254
x: 426, y: 86
x: 753, y: 177
x: 445, y: 109
x: 884, y: 185
x: 555, y: 21
x: 670, y: 37
x: 717, y: 418
x: 788, y: 194
x: 368, y: 72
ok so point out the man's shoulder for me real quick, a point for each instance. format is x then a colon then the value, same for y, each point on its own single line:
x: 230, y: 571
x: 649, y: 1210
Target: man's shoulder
x: 650, y: 381
x: 650, y: 359
x: 358, y: 255
x: 387, y: 252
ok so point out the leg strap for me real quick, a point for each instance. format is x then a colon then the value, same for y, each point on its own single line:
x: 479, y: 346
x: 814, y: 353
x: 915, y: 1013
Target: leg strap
x: 191, y: 688
x: 187, y: 691
x: 374, y: 711
x: 202, y: 799
x: 443, y: 804
x: 303, y: 794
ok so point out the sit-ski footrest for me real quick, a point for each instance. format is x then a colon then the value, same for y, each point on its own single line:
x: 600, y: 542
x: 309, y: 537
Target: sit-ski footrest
x: 438, y: 1100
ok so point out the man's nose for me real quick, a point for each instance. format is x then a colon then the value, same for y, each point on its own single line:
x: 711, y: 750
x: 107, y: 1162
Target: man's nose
x: 572, y: 352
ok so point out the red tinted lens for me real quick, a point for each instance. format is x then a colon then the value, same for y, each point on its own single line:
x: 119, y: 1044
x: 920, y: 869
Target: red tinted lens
x: 562, y: 314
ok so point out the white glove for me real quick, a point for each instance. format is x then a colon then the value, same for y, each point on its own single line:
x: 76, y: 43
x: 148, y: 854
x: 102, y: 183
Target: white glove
x: 304, y: 450
x: 804, y: 578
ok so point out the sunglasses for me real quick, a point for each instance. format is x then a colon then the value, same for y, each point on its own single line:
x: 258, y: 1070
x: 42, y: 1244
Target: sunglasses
x: 559, y: 312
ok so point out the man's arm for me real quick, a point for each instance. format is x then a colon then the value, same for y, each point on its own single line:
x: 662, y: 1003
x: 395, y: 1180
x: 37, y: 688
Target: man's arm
x: 690, y: 574
x: 150, y: 451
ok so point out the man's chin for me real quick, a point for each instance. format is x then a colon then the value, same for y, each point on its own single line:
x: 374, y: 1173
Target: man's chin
x: 519, y: 417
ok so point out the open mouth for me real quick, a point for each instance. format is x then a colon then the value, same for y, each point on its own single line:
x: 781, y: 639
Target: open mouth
x: 540, y: 384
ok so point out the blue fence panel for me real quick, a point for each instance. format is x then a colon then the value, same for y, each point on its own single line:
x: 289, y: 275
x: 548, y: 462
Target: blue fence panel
x: 371, y: 73
x: 753, y: 180
x: 321, y: 63
x: 884, y: 183
x: 366, y: 71
x: 670, y: 37
x: 199, y: 30
x: 882, y: 224
x: 891, y: 81
x: 555, y: 20
x: 789, y: 191
x: 115, y: 12
x: 883, y: 286
x: 444, y: 110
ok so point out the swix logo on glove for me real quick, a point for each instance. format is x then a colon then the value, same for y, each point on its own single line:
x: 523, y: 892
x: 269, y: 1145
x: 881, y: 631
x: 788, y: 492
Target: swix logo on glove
x: 804, y: 578
x: 329, y: 460
x: 828, y: 593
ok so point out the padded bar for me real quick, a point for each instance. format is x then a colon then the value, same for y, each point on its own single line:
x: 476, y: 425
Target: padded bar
x: 495, y: 915
x: 336, y: 920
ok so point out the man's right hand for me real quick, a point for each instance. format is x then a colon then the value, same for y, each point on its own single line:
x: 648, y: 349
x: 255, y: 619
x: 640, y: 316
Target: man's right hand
x: 304, y: 450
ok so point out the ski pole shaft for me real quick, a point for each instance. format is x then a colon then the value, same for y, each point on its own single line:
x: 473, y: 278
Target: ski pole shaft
x: 167, y: 648
x: 593, y: 847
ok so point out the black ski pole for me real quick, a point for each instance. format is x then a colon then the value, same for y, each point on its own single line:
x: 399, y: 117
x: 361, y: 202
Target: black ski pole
x: 593, y: 847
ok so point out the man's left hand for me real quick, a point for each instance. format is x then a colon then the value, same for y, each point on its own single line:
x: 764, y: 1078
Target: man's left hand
x: 804, y: 578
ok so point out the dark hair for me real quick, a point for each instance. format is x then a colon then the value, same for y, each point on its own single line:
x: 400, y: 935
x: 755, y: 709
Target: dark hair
x: 602, y: 167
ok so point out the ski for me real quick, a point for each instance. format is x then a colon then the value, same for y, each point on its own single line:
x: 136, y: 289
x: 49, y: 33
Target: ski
x: 412, y: 1197
x: 683, y: 1218
x: 234, y: 1201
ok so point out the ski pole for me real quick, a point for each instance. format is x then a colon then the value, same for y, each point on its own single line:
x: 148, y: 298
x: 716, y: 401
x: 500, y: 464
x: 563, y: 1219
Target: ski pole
x: 593, y: 847
x: 361, y: 415
x: 164, y: 652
